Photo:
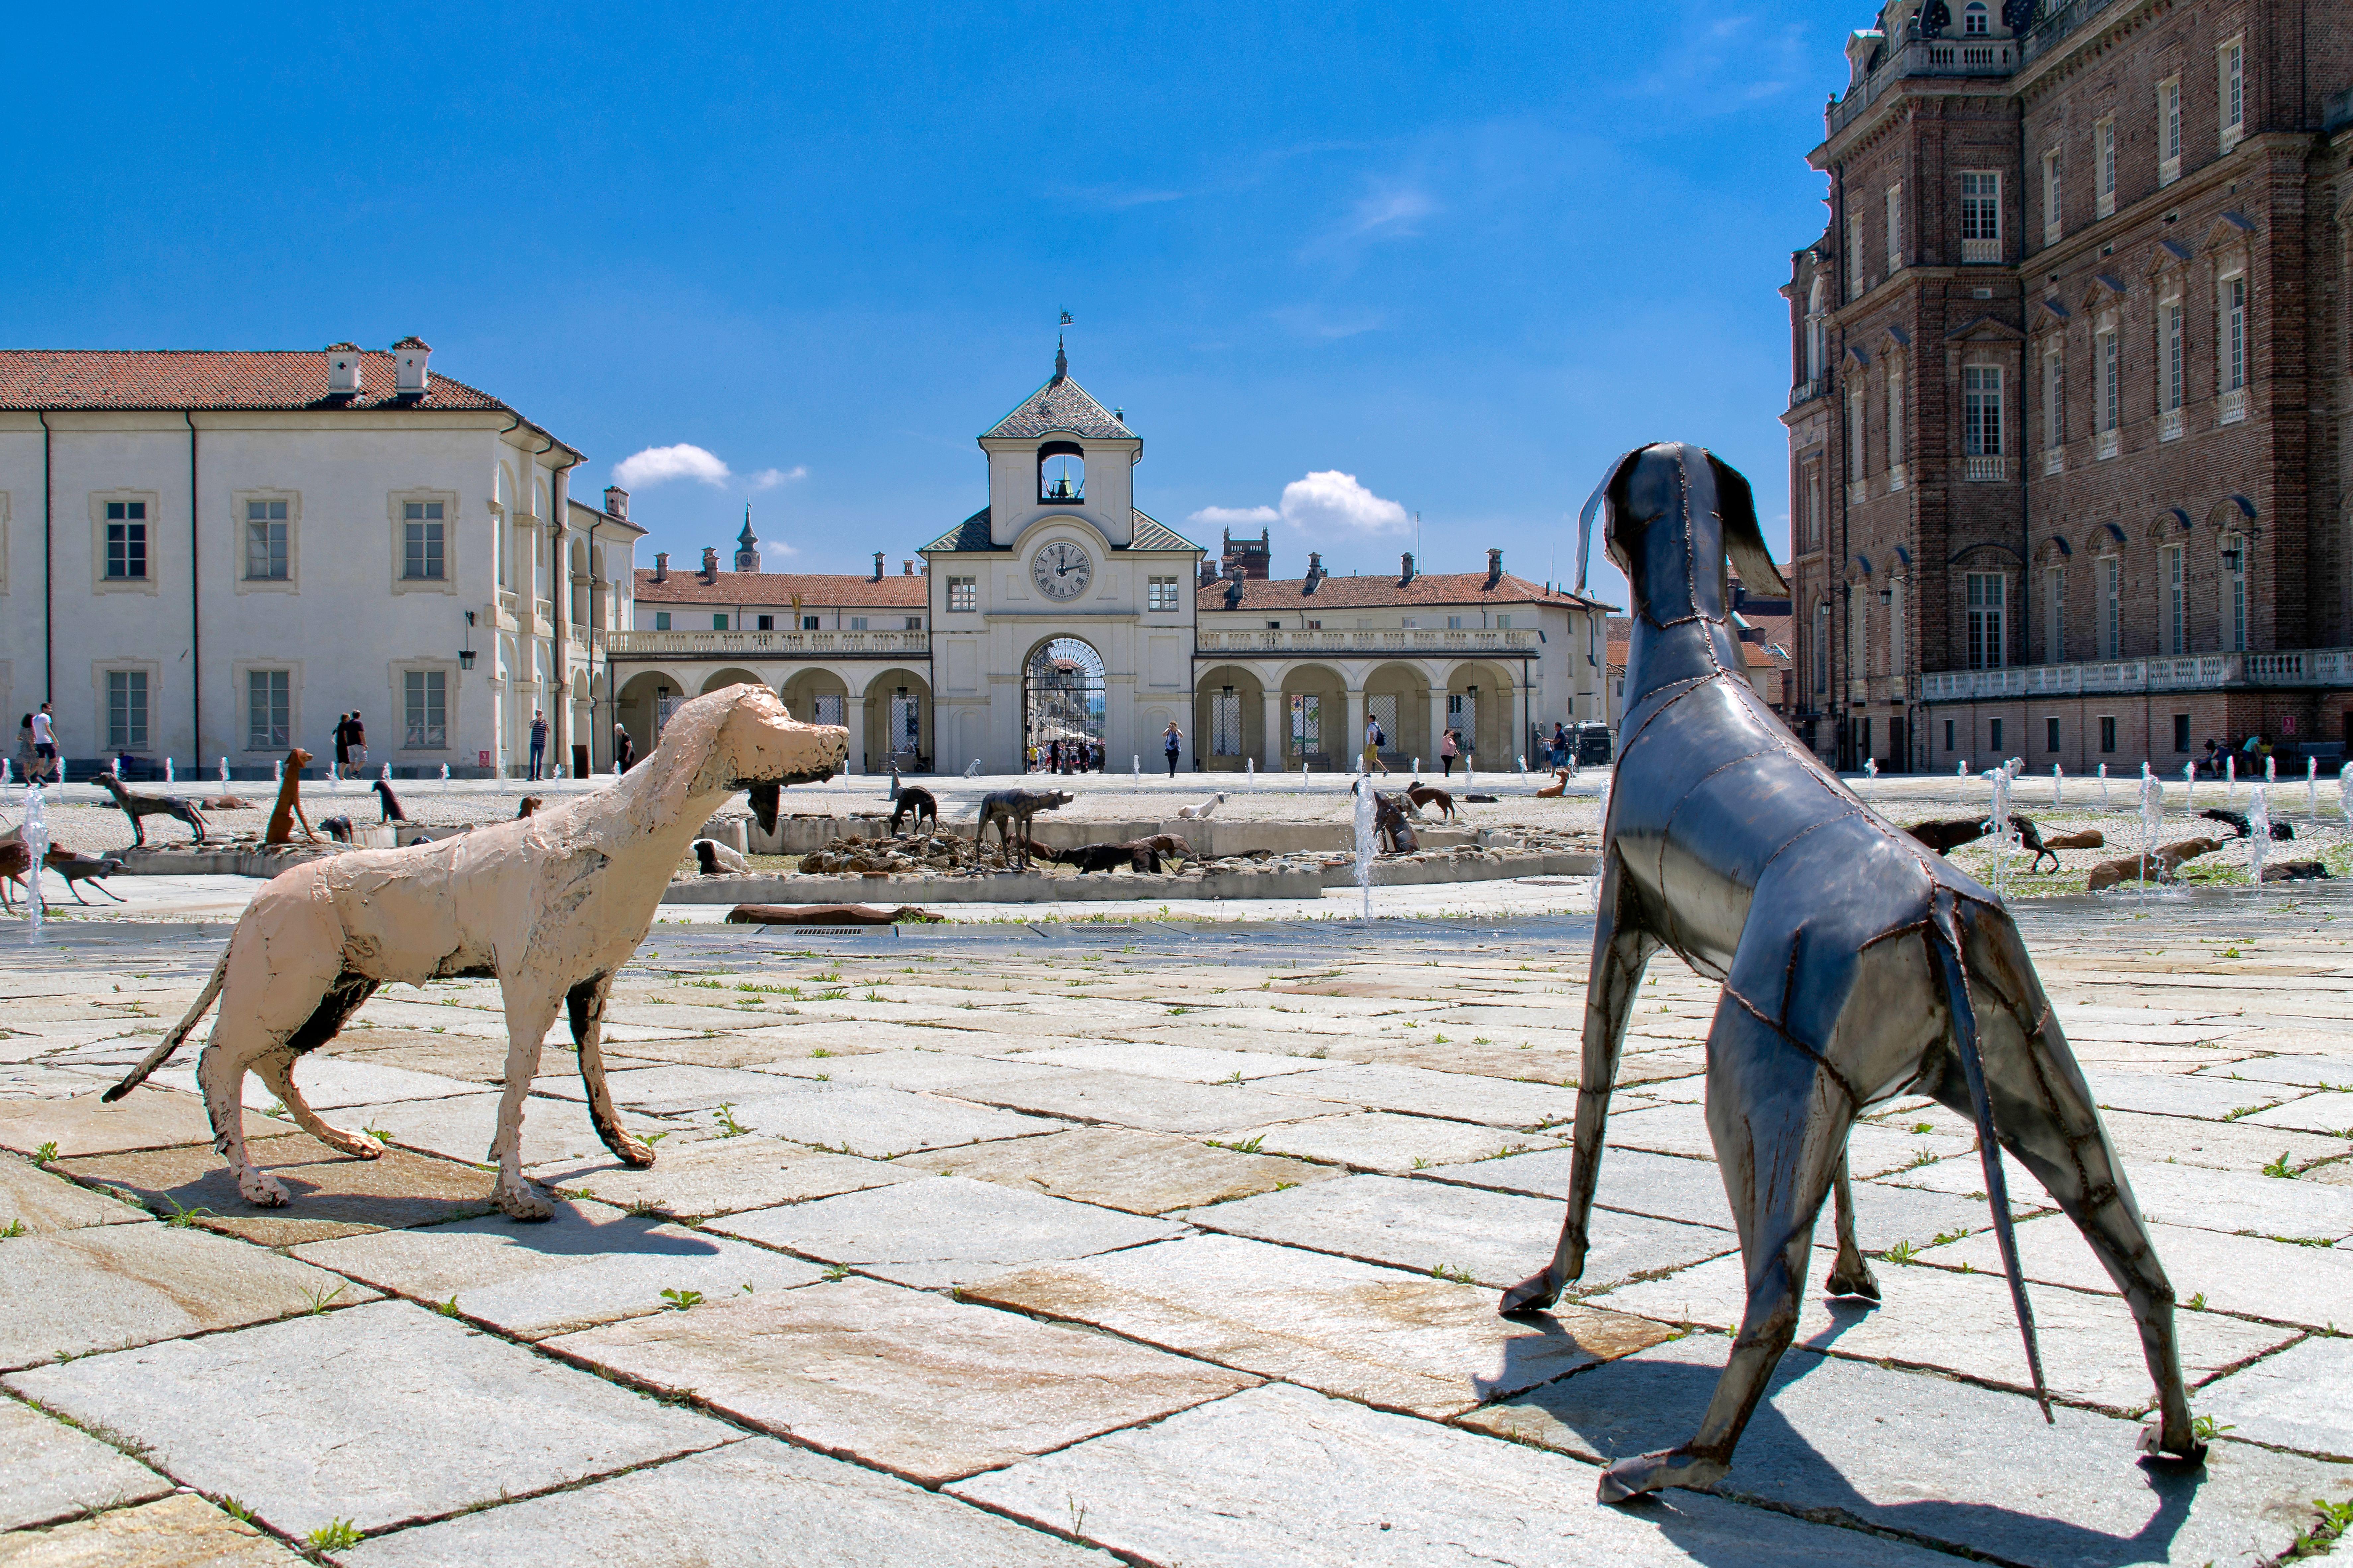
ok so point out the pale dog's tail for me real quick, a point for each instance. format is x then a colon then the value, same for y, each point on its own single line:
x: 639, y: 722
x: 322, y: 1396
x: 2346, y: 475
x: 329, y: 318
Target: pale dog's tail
x: 180, y: 1032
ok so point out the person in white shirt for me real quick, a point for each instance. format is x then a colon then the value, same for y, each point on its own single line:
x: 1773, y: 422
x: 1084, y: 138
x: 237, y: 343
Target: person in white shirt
x: 44, y: 744
x: 1374, y: 741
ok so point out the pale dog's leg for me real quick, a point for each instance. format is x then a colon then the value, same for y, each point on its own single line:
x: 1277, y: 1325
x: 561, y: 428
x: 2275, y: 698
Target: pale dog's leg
x: 531, y: 1012
x: 276, y: 1069
x: 220, y: 1075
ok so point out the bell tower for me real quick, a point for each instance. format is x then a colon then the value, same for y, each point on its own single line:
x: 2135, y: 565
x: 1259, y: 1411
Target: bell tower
x: 747, y: 545
x: 1061, y: 453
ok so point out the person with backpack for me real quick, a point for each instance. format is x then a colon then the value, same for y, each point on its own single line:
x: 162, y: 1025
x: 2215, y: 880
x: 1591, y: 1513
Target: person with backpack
x: 1374, y: 738
x: 538, y: 743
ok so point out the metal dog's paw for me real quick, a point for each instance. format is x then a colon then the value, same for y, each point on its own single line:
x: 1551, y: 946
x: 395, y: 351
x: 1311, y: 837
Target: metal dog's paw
x: 1859, y: 1281
x: 262, y: 1188
x: 1532, y: 1294
x: 1630, y: 1478
x: 2184, y: 1450
x: 523, y: 1201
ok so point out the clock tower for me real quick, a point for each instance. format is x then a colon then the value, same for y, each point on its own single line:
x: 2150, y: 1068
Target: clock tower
x: 1060, y: 610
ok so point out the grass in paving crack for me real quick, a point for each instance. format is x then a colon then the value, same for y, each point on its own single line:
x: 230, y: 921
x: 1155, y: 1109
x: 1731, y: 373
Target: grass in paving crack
x: 2335, y: 1518
x: 447, y: 1309
x: 321, y: 1300
x: 842, y: 1270
x: 1460, y: 1275
x: 181, y: 1217
x: 1902, y: 1252
x: 682, y: 1299
x: 45, y: 1154
x: 2205, y: 1428
x: 728, y: 1126
x: 1251, y: 1147
x: 2279, y: 1168
x: 241, y: 1512
x: 14, y: 1228
x: 334, y: 1536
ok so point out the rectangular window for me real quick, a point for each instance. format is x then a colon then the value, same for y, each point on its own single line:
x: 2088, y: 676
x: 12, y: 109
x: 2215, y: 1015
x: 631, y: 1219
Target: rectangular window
x: 126, y: 541
x: 2168, y: 130
x: 812, y: 623
x: 2053, y: 218
x: 915, y: 623
x: 269, y: 709
x: 265, y: 540
x: 2176, y: 602
x: 2112, y: 608
x: 1986, y: 641
x: 1226, y: 723
x: 1894, y: 227
x: 2054, y: 615
x: 1949, y: 734
x: 1813, y: 503
x: 2054, y: 418
x: 1993, y: 727
x: 2104, y: 166
x: 2234, y: 593
x: 1503, y: 623
x: 2107, y: 734
x: 1163, y: 596
x: 2177, y: 356
x: 1981, y: 409
x: 1854, y: 270
x: 1822, y: 648
x: 719, y: 623
x: 1894, y: 418
x: 2111, y: 378
x: 906, y: 725
x: 1306, y: 724
x: 424, y: 541
x: 662, y: 620
x: 858, y: 623
x: 964, y: 594
x: 764, y: 624
x: 1454, y: 623
x: 2050, y: 734
x: 1980, y: 218
x: 1895, y: 627
x: 829, y: 708
x: 1855, y: 435
x: 2232, y: 63
x: 2181, y: 732
x: 425, y: 710
x: 2234, y: 333
x: 126, y: 710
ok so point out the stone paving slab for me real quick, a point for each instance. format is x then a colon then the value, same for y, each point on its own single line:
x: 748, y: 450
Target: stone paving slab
x: 1970, y: 1468
x: 771, y: 1504
x: 1133, y: 1100
x: 2294, y: 1399
x: 50, y: 1472
x: 1140, y: 1173
x: 2187, y: 1195
x: 856, y: 1119
x: 1400, y: 1341
x: 1189, y: 1064
x: 328, y: 1193
x: 720, y: 1176
x: 172, y: 1532
x: 2310, y: 1072
x: 2219, y: 1145
x: 1419, y: 1092
x: 2185, y: 1094
x: 1387, y: 1142
x: 2330, y: 1114
x: 944, y: 1230
x: 330, y: 1082
x: 461, y: 1127
x: 1681, y: 1129
x: 1962, y: 1323
x: 1282, y: 1478
x: 1498, y: 1238
x: 143, y: 1119
x: 927, y: 1071
x: 44, y: 1204
x: 2252, y: 1276
x: 907, y: 1380
x: 376, y: 1415
x: 105, y: 1287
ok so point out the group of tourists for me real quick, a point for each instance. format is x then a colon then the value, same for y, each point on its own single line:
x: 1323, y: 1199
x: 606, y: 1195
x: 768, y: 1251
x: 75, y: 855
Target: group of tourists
x: 36, y: 746
x: 1067, y: 755
x: 1452, y: 747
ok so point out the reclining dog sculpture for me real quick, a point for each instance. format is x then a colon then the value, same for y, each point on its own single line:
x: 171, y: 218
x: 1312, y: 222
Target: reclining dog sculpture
x: 1855, y: 966
x: 551, y: 907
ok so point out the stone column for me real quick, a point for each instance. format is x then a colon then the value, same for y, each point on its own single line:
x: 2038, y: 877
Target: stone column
x: 1277, y: 726
x: 1353, y: 749
x: 1436, y: 724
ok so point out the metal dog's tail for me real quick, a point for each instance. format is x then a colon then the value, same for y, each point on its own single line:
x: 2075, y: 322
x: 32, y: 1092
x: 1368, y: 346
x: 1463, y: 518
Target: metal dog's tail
x: 1946, y: 947
x: 179, y: 1032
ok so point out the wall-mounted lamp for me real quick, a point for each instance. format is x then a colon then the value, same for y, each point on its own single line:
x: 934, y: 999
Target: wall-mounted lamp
x: 2231, y: 560
x: 466, y: 651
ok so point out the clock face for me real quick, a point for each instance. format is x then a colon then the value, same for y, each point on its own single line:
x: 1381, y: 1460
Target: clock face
x: 1061, y: 570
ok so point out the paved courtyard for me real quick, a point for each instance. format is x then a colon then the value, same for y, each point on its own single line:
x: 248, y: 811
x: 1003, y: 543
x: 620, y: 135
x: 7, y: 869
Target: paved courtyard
x: 1162, y: 1242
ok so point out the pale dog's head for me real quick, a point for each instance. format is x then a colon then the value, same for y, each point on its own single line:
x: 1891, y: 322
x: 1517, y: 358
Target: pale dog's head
x: 742, y: 738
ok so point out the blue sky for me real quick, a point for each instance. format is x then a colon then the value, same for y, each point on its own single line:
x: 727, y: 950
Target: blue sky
x: 1465, y: 255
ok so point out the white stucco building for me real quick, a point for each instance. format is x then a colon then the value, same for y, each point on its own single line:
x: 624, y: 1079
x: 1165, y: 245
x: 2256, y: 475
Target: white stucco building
x: 210, y: 554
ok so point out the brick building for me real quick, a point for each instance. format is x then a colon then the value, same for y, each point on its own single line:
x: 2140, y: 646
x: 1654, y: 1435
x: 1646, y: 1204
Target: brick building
x: 2073, y: 386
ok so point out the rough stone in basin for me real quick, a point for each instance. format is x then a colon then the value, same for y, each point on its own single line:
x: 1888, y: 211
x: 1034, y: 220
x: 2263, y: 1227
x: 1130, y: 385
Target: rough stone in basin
x: 49, y: 1472
x: 1399, y: 1340
x: 1971, y: 1467
x: 1142, y: 1173
x: 328, y: 1194
x: 172, y: 1532
x: 378, y: 1414
x: 109, y: 1285
x: 44, y: 1204
x: 1340, y: 1485
x: 907, y: 1380
x: 944, y: 1230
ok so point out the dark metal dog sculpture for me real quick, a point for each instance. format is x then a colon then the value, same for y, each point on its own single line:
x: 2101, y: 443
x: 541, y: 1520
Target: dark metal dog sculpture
x: 1952, y: 832
x: 1392, y: 826
x: 914, y: 801
x: 1423, y: 794
x: 338, y: 828
x: 1855, y: 966
x: 139, y: 807
x: 78, y: 867
x: 1011, y: 807
x: 391, y: 802
x: 2236, y: 821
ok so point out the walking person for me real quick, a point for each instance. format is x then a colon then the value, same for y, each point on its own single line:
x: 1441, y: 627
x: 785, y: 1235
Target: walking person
x: 1172, y: 741
x: 538, y: 743
x: 342, y: 746
x: 1374, y: 738
x: 1446, y: 753
x: 1560, y: 744
x: 359, y: 740
x: 625, y: 751
x: 45, y: 743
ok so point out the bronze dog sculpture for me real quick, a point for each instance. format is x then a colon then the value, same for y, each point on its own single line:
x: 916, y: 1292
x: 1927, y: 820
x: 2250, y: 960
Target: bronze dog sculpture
x: 1952, y: 832
x: 1855, y: 966
x: 139, y: 807
x: 913, y: 801
x: 1423, y: 794
x: 1011, y: 807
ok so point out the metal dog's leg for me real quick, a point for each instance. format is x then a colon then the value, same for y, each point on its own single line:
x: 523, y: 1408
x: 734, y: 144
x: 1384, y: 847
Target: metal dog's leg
x: 585, y: 1005
x: 1779, y: 1122
x: 1620, y: 952
x: 530, y: 1014
x: 1851, y: 1275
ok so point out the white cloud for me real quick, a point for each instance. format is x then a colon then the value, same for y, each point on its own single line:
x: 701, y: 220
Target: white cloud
x: 1231, y: 516
x: 658, y: 465
x: 1332, y: 502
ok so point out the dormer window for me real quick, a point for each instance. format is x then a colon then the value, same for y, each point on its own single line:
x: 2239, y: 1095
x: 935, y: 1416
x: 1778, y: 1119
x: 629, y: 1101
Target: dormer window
x: 1975, y: 21
x: 1062, y: 473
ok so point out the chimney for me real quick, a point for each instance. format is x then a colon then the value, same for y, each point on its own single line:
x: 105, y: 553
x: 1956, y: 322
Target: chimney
x: 1495, y: 567
x: 1407, y: 567
x: 709, y: 563
x: 409, y: 377
x: 343, y: 370
x: 877, y: 566
x: 616, y: 502
x: 907, y: 568
x: 1314, y: 569
x: 661, y: 565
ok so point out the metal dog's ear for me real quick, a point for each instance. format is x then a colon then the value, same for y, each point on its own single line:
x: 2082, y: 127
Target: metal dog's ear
x: 1743, y: 541
x: 1604, y: 496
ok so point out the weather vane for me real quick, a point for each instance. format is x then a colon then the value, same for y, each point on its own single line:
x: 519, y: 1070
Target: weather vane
x: 1067, y: 320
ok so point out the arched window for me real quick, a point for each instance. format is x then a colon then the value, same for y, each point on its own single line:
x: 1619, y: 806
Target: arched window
x: 1976, y: 22
x: 1061, y: 471
x: 1814, y: 334
x: 2234, y: 593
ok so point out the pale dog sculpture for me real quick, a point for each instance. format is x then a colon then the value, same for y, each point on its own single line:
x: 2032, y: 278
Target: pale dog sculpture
x: 551, y: 906
x: 1856, y: 965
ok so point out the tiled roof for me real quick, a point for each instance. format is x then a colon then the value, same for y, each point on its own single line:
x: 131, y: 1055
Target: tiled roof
x: 972, y: 534
x: 584, y: 516
x: 815, y: 589
x: 53, y: 379
x: 1060, y: 405
x: 1290, y: 594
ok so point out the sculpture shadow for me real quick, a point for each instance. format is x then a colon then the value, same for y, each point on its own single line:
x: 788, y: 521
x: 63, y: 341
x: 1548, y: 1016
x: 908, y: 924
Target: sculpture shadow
x: 1629, y: 1406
